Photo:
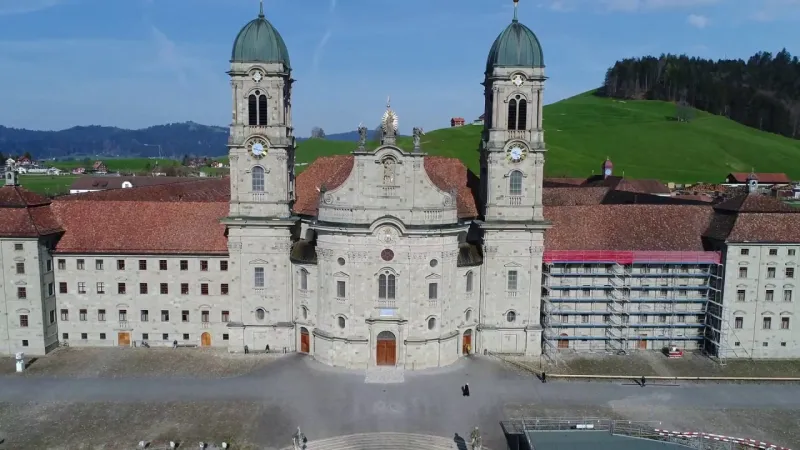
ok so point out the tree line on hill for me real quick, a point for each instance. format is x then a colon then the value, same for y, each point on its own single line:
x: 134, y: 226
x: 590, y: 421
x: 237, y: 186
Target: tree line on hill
x: 762, y: 92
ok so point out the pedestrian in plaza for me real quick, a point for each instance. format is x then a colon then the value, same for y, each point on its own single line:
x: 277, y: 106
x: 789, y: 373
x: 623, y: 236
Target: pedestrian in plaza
x: 643, y: 381
x: 466, y: 390
x: 544, y: 377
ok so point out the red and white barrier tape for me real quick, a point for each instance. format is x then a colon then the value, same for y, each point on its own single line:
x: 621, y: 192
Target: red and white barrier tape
x: 718, y: 437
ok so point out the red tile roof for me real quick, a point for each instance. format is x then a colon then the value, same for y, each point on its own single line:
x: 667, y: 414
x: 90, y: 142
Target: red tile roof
x: 766, y: 228
x: 141, y: 227
x: 627, y: 227
x: 188, y: 190
x: 451, y: 175
x: 573, y: 196
x: 325, y: 173
x: 92, y: 183
x: 767, y: 178
x: 25, y: 214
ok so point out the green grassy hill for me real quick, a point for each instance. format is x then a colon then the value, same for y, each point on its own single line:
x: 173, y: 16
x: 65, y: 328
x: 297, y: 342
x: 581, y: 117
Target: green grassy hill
x: 638, y: 136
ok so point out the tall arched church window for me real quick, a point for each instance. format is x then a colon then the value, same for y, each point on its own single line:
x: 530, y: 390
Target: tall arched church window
x: 515, y: 183
x: 386, y: 286
x: 517, y: 113
x: 469, y: 281
x: 257, y: 108
x: 258, y: 179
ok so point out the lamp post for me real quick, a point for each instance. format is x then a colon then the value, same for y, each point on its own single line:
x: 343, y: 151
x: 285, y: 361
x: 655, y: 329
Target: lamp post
x: 159, y: 150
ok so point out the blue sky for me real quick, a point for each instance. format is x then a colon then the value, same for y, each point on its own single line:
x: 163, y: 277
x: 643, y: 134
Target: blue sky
x: 136, y: 63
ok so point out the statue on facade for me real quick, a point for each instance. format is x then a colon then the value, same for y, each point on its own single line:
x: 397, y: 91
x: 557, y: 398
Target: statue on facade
x: 417, y: 137
x: 362, y: 136
x: 388, y: 171
x: 299, y: 440
x: 476, y: 441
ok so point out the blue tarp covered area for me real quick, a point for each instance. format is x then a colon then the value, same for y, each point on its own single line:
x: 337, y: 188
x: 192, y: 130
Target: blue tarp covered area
x: 594, y: 440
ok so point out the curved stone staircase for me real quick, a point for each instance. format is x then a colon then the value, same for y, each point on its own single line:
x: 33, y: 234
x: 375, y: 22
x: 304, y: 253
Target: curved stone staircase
x: 387, y: 441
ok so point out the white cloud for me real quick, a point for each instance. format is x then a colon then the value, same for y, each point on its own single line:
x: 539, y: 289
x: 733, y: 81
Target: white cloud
x: 697, y: 21
x: 8, y: 7
x: 319, y: 50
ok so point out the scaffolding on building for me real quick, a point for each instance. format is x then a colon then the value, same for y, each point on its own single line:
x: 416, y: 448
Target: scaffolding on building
x: 719, y: 332
x: 621, y: 269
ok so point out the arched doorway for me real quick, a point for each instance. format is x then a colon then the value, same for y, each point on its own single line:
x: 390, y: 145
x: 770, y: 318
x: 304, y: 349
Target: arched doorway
x: 205, y: 339
x: 466, y: 343
x: 386, y: 349
x: 305, y: 341
x: 563, y: 343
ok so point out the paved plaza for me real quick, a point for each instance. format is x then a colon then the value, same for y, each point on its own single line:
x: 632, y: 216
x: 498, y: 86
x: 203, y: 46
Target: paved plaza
x: 263, y: 405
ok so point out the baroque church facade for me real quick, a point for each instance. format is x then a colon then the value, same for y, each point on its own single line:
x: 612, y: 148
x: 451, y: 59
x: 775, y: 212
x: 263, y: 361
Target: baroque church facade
x: 399, y: 274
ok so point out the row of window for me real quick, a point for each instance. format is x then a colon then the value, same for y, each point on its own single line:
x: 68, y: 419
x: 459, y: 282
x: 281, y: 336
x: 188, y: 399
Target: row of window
x: 788, y: 272
x: 579, y: 269
x: 145, y: 337
x: 163, y: 264
x: 642, y: 318
x: 766, y: 323
x: 144, y: 316
x: 387, y: 289
x: 769, y: 295
x: 144, y: 289
x: 661, y: 293
x: 763, y: 344
x: 772, y: 252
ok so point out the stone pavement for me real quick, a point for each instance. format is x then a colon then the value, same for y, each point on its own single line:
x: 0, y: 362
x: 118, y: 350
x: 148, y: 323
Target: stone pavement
x: 389, y: 441
x: 328, y: 402
x: 384, y: 375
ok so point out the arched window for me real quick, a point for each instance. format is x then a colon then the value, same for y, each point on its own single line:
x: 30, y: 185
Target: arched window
x: 386, y: 286
x: 517, y: 113
x: 303, y: 279
x: 342, y: 322
x: 257, y: 108
x: 431, y: 323
x: 258, y: 179
x: 511, y: 316
x: 260, y: 314
x: 304, y: 310
x: 469, y: 281
x: 515, y: 183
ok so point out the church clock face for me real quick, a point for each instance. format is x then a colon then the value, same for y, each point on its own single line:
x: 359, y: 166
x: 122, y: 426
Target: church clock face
x: 257, y: 148
x: 516, y: 153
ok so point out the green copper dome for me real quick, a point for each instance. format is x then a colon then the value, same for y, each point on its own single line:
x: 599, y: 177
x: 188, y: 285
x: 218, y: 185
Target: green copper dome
x: 260, y: 42
x: 516, y: 46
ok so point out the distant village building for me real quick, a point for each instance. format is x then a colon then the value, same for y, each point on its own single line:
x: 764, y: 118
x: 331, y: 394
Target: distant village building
x: 457, y: 122
x: 479, y: 120
x: 78, y: 171
x: 94, y: 183
x: 765, y: 180
x: 99, y: 167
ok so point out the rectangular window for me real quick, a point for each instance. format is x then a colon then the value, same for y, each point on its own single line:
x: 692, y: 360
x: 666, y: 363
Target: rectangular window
x: 143, y: 288
x: 49, y: 265
x: 164, y: 288
x: 642, y: 319
x: 23, y: 320
x: 84, y: 336
x: 64, y: 315
x: 98, y: 264
x: 787, y: 295
x: 65, y: 336
x: 341, y: 289
x: 101, y: 287
x: 52, y: 316
x: 223, y: 266
x: 101, y: 315
x: 740, y: 295
x: 184, y: 316
x: 225, y: 336
x: 663, y: 293
x: 738, y: 323
x: 165, y: 336
x: 22, y: 293
x: 784, y: 323
x: 584, y: 318
x: 223, y: 289
x: 164, y: 315
x: 773, y: 252
x: 512, y: 280
x: 564, y: 318
x: 62, y: 264
x: 203, y: 288
x: 123, y: 315
x: 770, y: 272
x: 121, y: 288
x: 142, y: 264
x: 24, y: 342
x: 185, y: 336
x: 767, y: 323
x: 203, y: 265
x: 162, y: 264
x: 226, y: 316
x: 184, y: 264
x: 80, y: 264
x: 662, y: 319
x: 144, y: 315
x: 82, y: 315
x: 515, y: 183
x: 586, y: 293
x: 769, y: 295
x: 789, y: 273
x: 50, y: 289
x: 680, y: 318
x: 17, y: 247
x: 742, y: 272
x: 145, y: 336
x: 20, y: 268
x: 81, y: 287
x: 791, y: 252
x: 606, y: 318
x: 258, y: 273
x: 120, y: 264
x: 744, y: 251
x: 204, y: 316
x: 102, y: 336
x: 184, y: 288
x: 433, y: 291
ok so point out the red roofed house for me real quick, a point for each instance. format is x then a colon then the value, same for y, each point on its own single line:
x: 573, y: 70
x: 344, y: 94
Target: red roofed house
x: 389, y: 257
x: 764, y: 179
x: 457, y: 122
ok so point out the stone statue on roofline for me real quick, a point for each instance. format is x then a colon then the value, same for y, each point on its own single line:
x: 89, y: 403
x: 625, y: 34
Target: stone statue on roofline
x: 417, y: 137
x: 362, y: 137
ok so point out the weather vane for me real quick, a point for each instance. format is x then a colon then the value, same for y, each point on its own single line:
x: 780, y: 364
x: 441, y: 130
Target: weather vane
x: 389, y: 102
